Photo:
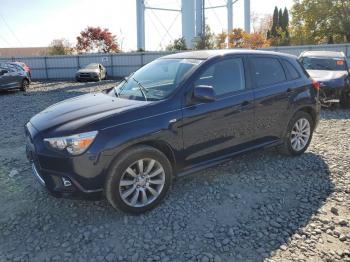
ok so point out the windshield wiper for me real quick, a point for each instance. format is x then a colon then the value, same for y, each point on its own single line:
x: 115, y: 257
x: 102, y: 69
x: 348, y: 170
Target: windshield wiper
x: 143, y: 90
x: 120, y: 89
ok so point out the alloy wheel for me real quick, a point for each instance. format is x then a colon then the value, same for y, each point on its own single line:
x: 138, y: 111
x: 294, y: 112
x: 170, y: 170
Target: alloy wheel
x: 300, y: 134
x: 142, y: 182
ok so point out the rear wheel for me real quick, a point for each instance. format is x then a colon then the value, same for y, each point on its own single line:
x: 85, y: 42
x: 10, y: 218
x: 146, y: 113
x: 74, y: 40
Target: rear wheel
x: 298, y: 135
x: 25, y: 85
x: 139, y: 180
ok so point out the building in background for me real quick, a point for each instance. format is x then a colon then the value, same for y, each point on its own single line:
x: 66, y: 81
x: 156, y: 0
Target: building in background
x: 24, y: 51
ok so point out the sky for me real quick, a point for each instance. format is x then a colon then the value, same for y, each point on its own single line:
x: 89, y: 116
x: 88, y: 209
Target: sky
x: 35, y: 23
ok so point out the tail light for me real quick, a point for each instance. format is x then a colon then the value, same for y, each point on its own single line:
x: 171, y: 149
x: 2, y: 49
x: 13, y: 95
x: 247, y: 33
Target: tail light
x: 316, y: 85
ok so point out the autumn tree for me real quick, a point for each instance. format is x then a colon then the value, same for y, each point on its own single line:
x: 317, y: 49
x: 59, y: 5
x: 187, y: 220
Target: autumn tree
x: 235, y: 38
x: 320, y: 21
x: 254, y: 41
x: 95, y: 39
x: 220, y: 40
x: 177, y: 44
x: 241, y: 39
x: 60, y: 47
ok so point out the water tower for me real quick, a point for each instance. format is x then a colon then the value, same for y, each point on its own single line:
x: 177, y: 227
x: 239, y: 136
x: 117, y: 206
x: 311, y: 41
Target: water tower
x: 193, y: 18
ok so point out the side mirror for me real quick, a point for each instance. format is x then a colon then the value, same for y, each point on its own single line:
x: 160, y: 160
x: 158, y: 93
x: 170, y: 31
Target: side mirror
x: 204, y: 94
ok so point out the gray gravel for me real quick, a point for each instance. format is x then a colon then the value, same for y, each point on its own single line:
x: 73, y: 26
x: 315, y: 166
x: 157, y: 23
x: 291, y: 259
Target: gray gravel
x: 260, y: 206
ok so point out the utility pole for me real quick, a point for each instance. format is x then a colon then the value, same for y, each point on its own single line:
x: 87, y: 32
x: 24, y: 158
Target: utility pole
x: 247, y: 16
x: 140, y: 16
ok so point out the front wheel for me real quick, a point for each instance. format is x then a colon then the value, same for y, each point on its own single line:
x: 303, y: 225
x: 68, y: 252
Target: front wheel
x: 139, y: 180
x: 25, y: 85
x: 298, y: 135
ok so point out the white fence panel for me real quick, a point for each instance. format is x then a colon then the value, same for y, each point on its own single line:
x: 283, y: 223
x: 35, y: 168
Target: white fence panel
x: 120, y: 65
x: 62, y: 62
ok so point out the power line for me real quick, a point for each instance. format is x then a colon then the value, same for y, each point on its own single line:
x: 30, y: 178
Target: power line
x: 4, y: 39
x: 9, y: 28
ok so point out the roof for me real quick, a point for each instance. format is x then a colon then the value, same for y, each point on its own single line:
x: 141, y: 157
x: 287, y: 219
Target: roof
x: 206, y: 54
x: 331, y: 54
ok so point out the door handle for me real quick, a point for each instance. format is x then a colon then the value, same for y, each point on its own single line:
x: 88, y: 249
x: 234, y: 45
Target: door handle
x: 289, y: 90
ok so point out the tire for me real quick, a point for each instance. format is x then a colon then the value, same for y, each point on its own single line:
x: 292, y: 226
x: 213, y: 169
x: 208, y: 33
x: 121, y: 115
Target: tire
x: 25, y: 85
x: 345, y: 99
x: 304, y: 135
x: 125, y: 187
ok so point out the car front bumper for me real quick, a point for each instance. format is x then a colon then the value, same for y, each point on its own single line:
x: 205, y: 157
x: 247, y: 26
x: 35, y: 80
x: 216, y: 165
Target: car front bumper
x: 86, y: 77
x: 79, y: 176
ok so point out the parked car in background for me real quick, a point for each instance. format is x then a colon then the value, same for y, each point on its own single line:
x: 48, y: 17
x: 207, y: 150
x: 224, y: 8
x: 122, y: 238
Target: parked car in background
x: 176, y: 115
x: 13, y: 78
x: 331, y: 70
x: 95, y: 72
x: 19, y: 66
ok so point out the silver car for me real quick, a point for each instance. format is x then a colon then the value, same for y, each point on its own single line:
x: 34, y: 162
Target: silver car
x: 12, y: 78
x: 93, y: 71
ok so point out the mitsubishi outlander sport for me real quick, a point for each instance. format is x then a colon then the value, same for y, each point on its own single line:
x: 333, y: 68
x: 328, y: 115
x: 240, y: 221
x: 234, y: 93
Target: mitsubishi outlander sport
x: 177, y: 115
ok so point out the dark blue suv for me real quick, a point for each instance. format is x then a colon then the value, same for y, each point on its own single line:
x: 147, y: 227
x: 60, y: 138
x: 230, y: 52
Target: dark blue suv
x: 177, y: 115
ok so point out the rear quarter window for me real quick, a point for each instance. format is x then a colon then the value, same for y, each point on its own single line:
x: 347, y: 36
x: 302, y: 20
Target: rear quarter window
x: 267, y: 71
x: 292, y: 71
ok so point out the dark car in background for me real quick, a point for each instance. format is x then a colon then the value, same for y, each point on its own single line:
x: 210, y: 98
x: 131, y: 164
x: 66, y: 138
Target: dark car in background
x: 331, y: 70
x: 175, y: 116
x: 11, y: 77
x: 94, y: 72
x: 20, y: 66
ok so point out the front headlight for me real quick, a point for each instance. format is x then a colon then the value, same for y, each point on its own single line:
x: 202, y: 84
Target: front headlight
x: 75, y: 144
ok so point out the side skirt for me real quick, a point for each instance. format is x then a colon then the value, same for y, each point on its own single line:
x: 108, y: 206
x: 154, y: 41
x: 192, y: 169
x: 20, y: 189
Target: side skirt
x: 225, y: 158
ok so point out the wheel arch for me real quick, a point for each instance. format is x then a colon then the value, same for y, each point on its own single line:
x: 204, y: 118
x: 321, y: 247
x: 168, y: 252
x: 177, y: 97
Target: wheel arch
x: 160, y: 145
x: 309, y: 110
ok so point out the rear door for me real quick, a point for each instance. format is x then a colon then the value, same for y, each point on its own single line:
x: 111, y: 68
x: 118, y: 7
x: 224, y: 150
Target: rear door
x: 272, y: 92
x: 6, y: 80
x: 213, y: 129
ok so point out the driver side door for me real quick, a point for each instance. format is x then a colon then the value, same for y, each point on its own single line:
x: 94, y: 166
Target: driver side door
x: 218, y: 128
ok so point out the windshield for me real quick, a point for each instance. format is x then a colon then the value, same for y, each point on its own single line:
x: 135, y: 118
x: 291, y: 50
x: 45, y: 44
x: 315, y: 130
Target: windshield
x: 156, y: 80
x: 92, y: 66
x: 331, y: 64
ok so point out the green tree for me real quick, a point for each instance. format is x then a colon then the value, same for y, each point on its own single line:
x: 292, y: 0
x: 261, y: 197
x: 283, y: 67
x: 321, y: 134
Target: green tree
x: 280, y: 17
x: 320, y: 21
x: 285, y: 21
x: 273, y: 31
x: 177, y: 44
x: 207, y: 41
x: 279, y: 32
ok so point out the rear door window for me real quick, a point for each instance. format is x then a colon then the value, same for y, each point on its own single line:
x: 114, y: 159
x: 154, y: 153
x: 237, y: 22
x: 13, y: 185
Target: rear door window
x: 267, y: 71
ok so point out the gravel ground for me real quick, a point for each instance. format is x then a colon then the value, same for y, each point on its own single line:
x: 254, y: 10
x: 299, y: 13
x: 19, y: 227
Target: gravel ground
x: 260, y: 206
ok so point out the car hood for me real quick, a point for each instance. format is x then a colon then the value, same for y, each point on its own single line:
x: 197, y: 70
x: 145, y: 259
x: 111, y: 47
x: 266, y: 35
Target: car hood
x: 324, y: 75
x: 82, y: 110
x: 88, y: 70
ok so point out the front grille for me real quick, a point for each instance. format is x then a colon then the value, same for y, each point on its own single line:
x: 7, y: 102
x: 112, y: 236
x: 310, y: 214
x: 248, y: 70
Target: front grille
x: 87, y: 75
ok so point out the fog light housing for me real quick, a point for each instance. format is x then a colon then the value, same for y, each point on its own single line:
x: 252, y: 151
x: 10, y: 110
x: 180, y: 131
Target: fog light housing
x: 66, y: 182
